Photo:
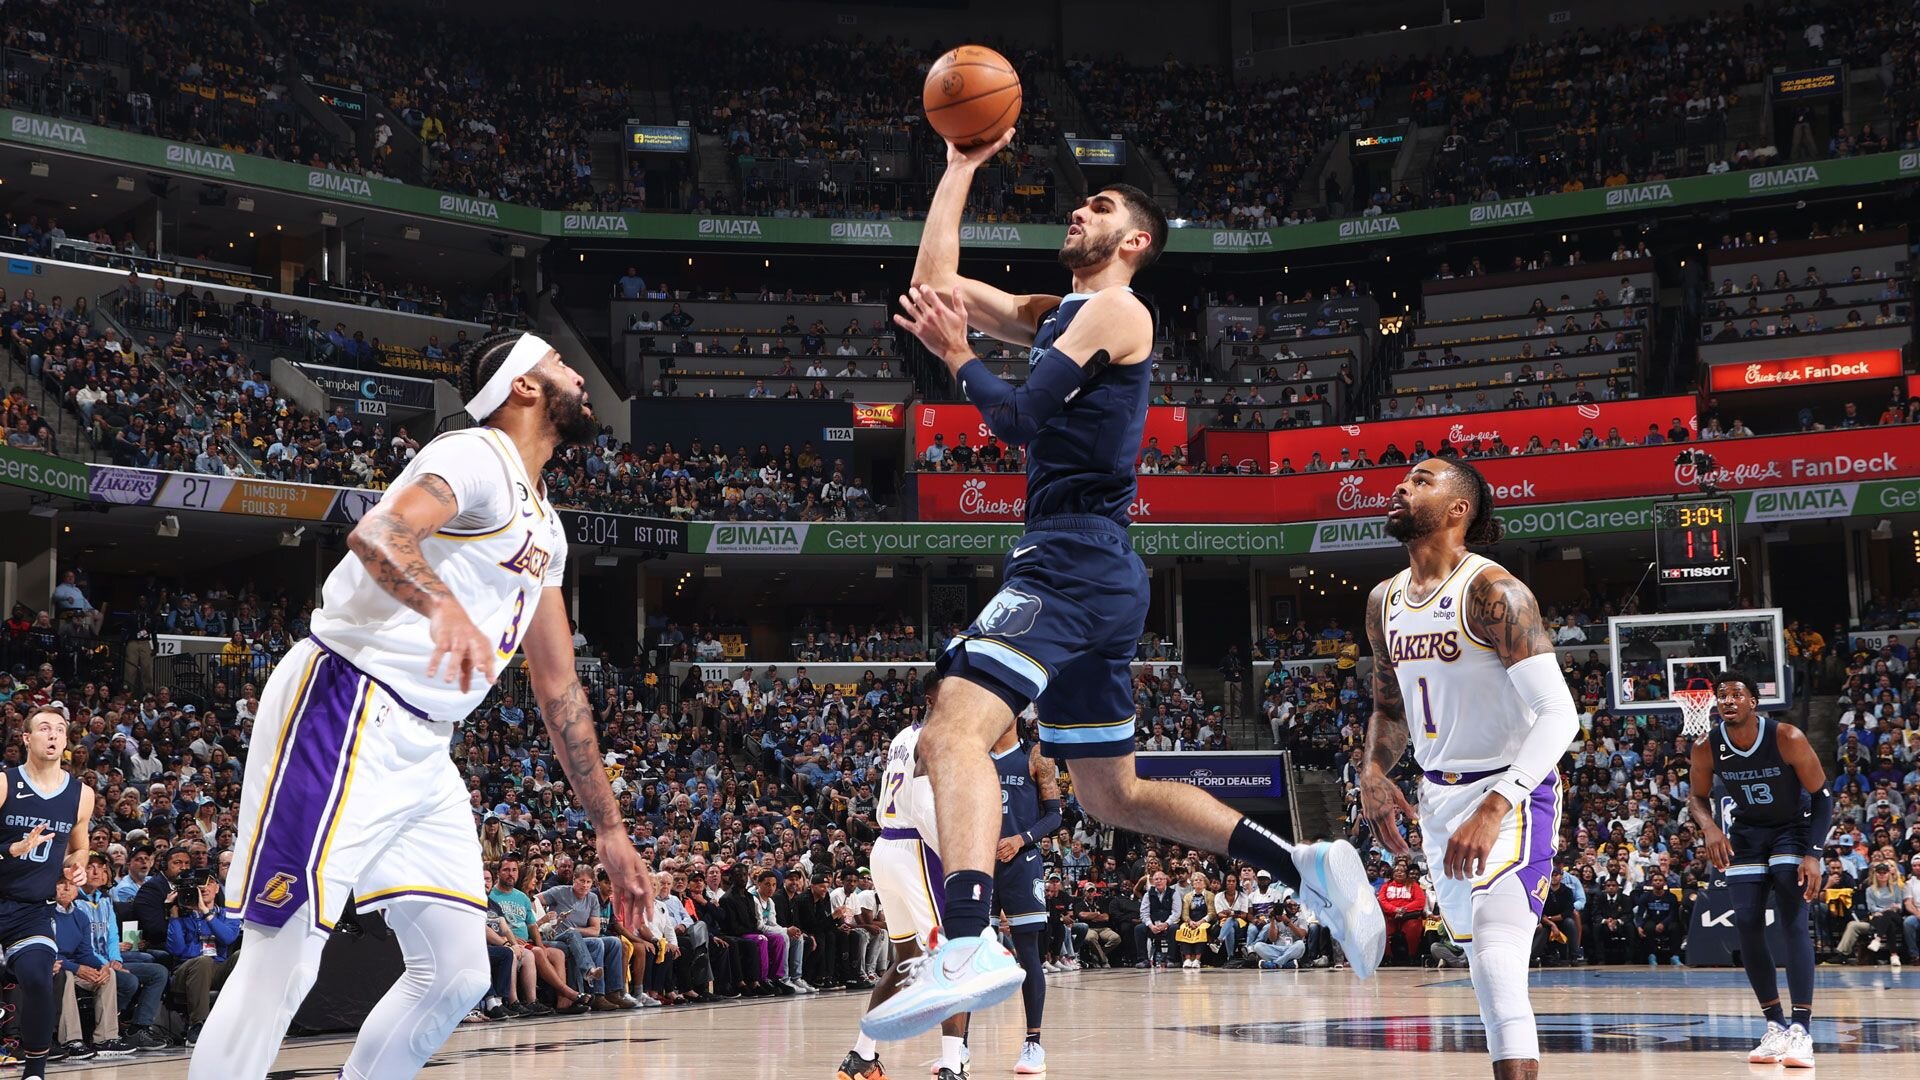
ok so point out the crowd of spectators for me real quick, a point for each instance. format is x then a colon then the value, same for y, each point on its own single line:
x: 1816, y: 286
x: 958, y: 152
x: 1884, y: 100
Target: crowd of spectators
x: 708, y: 483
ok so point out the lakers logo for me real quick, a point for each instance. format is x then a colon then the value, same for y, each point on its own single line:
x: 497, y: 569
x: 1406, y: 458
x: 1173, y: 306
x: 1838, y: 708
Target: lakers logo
x: 530, y: 559
x: 277, y: 891
x: 1451, y: 778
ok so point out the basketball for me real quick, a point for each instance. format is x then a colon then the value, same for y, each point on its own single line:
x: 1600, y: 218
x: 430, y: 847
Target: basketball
x: 972, y: 95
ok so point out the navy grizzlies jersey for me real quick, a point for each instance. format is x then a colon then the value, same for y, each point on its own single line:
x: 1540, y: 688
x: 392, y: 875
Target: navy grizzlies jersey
x: 1082, y: 460
x: 1019, y: 797
x: 1764, y: 789
x: 34, y: 875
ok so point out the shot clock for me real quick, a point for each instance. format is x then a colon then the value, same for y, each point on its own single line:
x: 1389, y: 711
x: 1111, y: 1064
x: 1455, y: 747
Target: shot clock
x: 1693, y: 541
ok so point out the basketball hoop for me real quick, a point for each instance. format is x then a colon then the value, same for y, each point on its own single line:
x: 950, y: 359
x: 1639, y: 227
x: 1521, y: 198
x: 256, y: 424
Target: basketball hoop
x: 1696, y: 710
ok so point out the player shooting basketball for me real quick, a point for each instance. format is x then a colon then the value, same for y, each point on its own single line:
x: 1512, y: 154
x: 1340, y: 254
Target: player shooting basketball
x: 350, y: 789
x: 1781, y: 810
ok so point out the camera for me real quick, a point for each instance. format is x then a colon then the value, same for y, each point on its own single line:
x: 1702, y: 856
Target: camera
x: 192, y: 879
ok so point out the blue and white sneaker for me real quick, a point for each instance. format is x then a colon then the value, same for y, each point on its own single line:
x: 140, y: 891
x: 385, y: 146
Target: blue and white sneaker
x: 960, y: 975
x: 1033, y: 1059
x: 1333, y: 883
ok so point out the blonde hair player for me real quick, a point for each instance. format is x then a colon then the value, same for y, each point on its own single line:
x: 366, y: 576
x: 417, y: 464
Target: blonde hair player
x: 1463, y: 670
x: 349, y: 788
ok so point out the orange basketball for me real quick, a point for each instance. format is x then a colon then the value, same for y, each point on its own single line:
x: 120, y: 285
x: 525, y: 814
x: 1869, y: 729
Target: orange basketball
x: 972, y: 95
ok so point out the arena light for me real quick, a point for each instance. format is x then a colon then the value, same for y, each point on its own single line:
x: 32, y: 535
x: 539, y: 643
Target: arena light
x: 243, y: 204
x: 123, y: 183
x: 39, y: 169
x: 328, y: 219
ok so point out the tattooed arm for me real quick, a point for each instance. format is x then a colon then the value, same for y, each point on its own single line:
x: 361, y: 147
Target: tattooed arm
x: 1502, y: 613
x: 569, y: 719
x: 1387, y: 736
x: 387, y: 542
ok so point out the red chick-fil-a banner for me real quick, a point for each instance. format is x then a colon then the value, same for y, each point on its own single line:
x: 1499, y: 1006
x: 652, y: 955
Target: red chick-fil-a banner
x: 1265, y: 451
x: 1168, y: 423
x: 1805, y: 370
x: 1775, y: 461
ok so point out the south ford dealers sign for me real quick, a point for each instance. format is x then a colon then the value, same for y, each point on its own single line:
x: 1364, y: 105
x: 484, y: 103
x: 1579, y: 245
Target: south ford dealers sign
x: 1244, y: 774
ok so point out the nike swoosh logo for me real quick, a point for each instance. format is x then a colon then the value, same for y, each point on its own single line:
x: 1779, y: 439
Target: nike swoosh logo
x: 946, y: 969
x: 1017, y: 552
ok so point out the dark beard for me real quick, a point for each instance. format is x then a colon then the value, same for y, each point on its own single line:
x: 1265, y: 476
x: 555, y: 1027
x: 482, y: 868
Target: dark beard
x: 1410, y: 528
x: 1090, y: 252
x: 569, y: 417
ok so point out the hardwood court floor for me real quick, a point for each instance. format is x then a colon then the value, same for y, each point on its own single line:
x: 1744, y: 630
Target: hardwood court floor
x: 1598, y: 1023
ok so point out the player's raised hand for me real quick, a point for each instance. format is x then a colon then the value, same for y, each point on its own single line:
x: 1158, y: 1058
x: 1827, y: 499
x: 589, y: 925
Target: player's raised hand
x: 460, y: 650
x: 940, y: 324
x: 1385, y: 806
x: 631, y: 878
x: 977, y: 155
x: 30, y: 841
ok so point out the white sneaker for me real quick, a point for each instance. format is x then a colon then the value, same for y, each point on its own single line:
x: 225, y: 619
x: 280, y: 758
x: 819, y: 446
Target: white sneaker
x: 1800, y: 1048
x: 1773, y: 1046
x: 805, y: 987
x: 960, y: 975
x: 1033, y: 1059
x: 1799, y: 1053
x: 1333, y: 884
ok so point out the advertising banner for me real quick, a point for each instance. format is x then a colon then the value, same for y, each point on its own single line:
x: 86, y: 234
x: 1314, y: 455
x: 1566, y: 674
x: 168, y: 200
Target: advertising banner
x: 372, y: 393
x: 1512, y: 426
x: 1778, y: 461
x: 1243, y: 774
x: 1167, y: 423
x: 659, y: 139
x: 161, y: 155
x: 1807, y: 85
x: 1805, y: 370
x: 44, y: 473
x: 879, y: 414
x: 1098, y: 151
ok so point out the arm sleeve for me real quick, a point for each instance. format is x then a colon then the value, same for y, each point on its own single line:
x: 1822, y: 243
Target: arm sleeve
x: 473, y: 468
x: 1016, y: 414
x: 1820, y: 813
x: 1541, y: 687
x: 1049, y: 820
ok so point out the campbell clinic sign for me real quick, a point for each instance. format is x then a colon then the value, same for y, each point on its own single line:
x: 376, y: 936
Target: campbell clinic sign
x: 1805, y: 370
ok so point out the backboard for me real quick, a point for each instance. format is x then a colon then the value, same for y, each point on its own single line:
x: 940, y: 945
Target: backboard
x: 1649, y: 656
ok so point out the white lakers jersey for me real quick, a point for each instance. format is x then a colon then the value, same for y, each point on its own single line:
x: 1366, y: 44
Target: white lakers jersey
x: 906, y: 800
x: 496, y: 555
x: 1462, y: 712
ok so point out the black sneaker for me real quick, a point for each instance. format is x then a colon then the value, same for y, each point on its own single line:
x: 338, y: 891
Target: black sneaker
x: 76, y: 1051
x: 193, y: 1034
x: 146, y: 1038
x: 114, y: 1048
x: 855, y: 1067
x: 57, y: 1053
x: 500, y: 1012
x: 537, y: 1008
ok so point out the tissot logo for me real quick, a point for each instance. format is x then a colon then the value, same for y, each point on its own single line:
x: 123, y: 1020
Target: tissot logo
x: 474, y: 208
x: 1379, y: 226
x: 989, y: 234
x: 1501, y: 211
x: 729, y: 227
x: 1639, y: 195
x: 33, y: 127
x: 1768, y: 179
x: 861, y: 230
x: 1242, y: 238
x: 339, y: 184
x: 598, y: 223
x: 197, y: 157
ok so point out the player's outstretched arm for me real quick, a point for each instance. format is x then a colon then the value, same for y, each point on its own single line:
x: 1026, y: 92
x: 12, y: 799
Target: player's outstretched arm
x: 1003, y: 315
x: 1387, y: 737
x: 569, y: 719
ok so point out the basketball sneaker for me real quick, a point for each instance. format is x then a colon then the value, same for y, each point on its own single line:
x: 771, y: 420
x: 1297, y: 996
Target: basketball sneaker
x: 855, y: 1067
x: 1333, y: 883
x: 959, y: 975
x: 1033, y: 1059
x: 1799, y: 1053
x: 1773, y: 1046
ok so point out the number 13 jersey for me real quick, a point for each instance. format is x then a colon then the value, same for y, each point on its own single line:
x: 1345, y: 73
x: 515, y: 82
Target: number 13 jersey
x: 497, y: 554
x: 1463, y: 714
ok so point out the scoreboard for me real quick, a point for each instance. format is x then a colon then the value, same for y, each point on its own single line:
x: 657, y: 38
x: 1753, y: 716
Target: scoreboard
x: 1693, y: 541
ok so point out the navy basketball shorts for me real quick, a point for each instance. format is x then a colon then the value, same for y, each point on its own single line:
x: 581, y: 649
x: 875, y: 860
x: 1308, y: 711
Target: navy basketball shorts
x: 25, y: 923
x: 1020, y: 890
x: 1756, y: 848
x: 1061, y: 634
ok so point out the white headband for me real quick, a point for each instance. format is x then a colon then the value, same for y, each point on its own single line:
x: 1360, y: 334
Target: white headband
x: 527, y: 352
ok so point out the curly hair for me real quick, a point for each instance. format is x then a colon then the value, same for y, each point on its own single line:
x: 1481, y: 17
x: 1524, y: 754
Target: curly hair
x: 1482, y: 528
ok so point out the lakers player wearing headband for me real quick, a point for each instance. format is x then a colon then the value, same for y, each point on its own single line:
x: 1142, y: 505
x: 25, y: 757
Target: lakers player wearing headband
x: 349, y: 787
x: 1464, y: 671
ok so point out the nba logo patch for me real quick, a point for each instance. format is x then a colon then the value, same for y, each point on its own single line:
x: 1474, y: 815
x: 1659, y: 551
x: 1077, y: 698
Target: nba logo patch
x: 277, y: 891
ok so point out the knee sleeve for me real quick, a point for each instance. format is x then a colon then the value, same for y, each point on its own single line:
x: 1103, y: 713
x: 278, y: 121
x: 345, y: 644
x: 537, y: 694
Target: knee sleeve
x: 1503, y: 925
x: 33, y: 971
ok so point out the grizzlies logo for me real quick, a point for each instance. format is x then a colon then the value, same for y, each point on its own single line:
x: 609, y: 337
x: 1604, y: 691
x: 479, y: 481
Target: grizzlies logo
x: 1009, y: 614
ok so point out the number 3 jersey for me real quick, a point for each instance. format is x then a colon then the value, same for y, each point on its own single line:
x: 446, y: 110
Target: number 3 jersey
x: 33, y: 876
x: 1463, y: 714
x: 497, y: 554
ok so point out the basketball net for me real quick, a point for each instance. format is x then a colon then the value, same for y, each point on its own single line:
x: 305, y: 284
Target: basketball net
x: 1696, y: 711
